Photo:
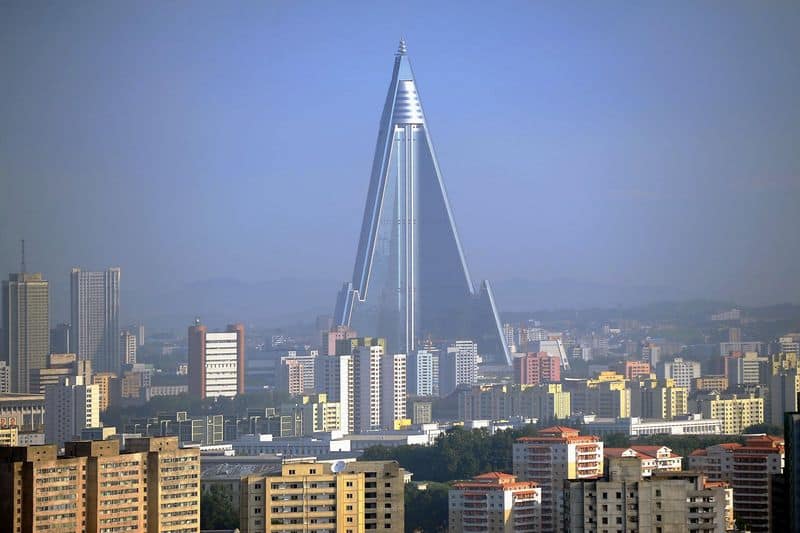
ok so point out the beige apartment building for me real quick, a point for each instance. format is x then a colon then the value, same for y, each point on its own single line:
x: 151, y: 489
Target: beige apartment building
x: 495, y: 502
x: 320, y: 497
x: 152, y: 486
x: 552, y: 457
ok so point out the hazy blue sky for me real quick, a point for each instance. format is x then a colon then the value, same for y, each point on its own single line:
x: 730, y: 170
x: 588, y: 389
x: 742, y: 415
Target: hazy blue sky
x: 620, y: 144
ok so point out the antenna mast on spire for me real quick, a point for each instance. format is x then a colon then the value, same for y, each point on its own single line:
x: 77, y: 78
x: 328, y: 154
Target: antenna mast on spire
x: 22, y: 264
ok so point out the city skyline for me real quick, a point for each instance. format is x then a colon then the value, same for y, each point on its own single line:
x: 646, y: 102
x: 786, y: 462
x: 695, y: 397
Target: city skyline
x: 631, y: 169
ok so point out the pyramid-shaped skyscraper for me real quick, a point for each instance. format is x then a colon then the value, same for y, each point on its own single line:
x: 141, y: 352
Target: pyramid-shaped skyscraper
x: 411, y: 281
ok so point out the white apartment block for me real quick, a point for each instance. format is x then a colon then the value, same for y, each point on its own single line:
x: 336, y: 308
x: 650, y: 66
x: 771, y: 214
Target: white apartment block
x: 681, y: 371
x: 221, y: 364
x: 367, y: 387
x: 333, y: 375
x: 423, y: 377
x: 70, y: 406
x: 127, y: 347
x: 393, y: 389
x: 459, y: 366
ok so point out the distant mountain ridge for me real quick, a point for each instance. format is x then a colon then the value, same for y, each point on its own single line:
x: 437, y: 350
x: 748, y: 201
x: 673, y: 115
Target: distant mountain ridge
x: 275, y: 303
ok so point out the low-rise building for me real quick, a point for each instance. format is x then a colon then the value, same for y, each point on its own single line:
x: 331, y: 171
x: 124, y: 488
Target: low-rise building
x: 653, y: 458
x: 635, y: 426
x: 22, y: 411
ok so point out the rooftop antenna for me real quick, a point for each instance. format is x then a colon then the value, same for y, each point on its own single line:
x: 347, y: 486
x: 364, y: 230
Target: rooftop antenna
x: 22, y: 265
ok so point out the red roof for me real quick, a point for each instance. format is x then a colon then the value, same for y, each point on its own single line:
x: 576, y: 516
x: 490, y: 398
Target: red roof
x: 558, y: 430
x: 493, y: 475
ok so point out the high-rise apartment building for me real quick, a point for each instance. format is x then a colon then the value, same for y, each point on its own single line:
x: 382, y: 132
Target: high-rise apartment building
x: 59, y: 338
x: 108, y: 389
x: 216, y: 361
x: 679, y: 370
x: 394, y: 392
x: 747, y: 368
x: 59, y: 366
x: 308, y: 497
x: 553, y: 456
x: 70, y: 406
x: 783, y: 389
x: 633, y: 369
x: 726, y: 348
x: 330, y: 338
x: 291, y: 376
x: 127, y: 347
x: 536, y: 368
x: 652, y: 398
x: 494, y: 503
x: 791, y: 431
x: 423, y: 372
x: 554, y: 347
x: 5, y: 377
x: 334, y: 378
x: 626, y: 500
x: 651, y: 353
x: 409, y: 247
x: 458, y: 366
x: 296, y: 372
x: 754, y: 466
x: 152, y: 486
x: 95, y: 317
x: 736, y: 412
x: 26, y: 327
x: 501, y: 402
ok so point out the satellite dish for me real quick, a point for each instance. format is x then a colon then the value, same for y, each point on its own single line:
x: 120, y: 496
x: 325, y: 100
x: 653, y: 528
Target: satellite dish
x: 338, y: 466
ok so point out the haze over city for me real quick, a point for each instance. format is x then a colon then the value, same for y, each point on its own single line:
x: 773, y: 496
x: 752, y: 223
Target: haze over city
x: 593, y: 157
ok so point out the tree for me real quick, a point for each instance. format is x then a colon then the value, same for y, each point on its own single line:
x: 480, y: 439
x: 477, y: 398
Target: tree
x: 216, y: 509
x: 426, y: 510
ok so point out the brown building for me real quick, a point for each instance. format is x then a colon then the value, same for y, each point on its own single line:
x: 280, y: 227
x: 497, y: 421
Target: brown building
x: 216, y: 361
x: 710, y: 383
x: 152, y: 486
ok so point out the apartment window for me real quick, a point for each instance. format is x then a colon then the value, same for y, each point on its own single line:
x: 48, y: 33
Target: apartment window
x: 291, y: 472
